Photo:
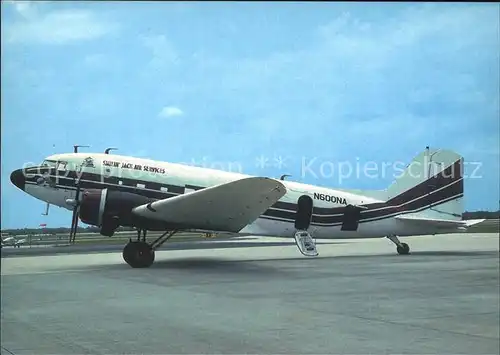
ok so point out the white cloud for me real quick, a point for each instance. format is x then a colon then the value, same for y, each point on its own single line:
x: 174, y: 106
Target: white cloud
x: 26, y: 9
x: 170, y: 111
x: 54, y: 27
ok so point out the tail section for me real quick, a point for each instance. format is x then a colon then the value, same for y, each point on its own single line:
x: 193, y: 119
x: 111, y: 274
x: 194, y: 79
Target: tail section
x: 431, y: 186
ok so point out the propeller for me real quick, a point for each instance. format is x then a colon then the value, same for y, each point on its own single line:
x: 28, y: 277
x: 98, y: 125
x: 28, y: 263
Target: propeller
x: 76, y: 201
x: 76, y: 214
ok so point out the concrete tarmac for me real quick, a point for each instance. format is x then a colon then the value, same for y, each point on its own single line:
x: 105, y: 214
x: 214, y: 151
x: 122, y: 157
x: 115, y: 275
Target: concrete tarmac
x: 358, y: 297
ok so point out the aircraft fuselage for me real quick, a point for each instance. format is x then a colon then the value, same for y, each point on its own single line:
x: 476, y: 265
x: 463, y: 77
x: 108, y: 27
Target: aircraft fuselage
x: 160, y: 180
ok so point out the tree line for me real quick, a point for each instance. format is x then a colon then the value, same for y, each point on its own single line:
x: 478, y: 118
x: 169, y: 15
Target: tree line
x: 57, y: 230
x: 481, y: 215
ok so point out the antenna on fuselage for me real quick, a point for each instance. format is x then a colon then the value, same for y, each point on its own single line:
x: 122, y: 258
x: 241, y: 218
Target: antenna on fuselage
x: 75, y: 147
x: 108, y: 149
x: 284, y: 176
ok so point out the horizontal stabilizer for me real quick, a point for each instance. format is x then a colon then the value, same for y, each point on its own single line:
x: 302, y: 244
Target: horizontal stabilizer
x: 440, y: 222
x: 446, y: 223
x: 472, y: 222
x: 226, y: 207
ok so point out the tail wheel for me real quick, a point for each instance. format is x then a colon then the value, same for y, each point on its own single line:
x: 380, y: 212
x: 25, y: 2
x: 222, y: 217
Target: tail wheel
x: 403, y: 249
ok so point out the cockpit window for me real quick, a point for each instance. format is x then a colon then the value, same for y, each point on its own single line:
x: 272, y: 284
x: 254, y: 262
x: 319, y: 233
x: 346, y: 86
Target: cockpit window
x: 61, y: 166
x: 49, y: 163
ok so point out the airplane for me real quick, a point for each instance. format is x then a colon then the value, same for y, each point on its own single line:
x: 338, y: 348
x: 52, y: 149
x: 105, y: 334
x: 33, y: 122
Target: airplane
x: 108, y: 190
x: 13, y: 242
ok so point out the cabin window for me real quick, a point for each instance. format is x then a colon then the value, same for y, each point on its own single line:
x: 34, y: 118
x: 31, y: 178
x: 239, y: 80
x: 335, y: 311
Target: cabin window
x: 188, y: 190
x: 120, y: 182
x: 142, y: 186
x: 164, y: 189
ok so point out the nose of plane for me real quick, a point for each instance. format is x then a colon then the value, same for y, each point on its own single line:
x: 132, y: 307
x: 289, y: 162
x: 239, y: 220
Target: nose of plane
x: 18, y: 179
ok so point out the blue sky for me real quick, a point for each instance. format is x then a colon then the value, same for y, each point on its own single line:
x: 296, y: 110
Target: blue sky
x: 249, y: 83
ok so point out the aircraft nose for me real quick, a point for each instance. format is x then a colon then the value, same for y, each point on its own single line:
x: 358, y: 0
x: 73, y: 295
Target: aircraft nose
x: 18, y: 179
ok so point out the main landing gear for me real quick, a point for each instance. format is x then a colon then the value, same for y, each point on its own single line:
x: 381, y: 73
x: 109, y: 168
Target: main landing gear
x: 402, y: 248
x: 140, y: 253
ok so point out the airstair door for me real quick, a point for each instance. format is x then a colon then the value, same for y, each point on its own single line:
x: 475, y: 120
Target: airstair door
x: 303, y: 239
x: 352, y: 215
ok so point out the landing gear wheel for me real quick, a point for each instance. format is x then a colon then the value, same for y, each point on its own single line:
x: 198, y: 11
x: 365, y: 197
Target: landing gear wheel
x: 127, y: 252
x: 138, y: 254
x: 403, y: 249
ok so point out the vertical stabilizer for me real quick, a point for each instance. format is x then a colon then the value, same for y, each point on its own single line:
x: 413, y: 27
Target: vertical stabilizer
x: 433, y: 181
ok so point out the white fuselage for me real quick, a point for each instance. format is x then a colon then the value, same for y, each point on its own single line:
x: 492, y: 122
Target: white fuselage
x: 138, y: 175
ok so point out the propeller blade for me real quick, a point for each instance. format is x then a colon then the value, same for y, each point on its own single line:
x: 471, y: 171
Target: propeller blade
x: 74, y: 223
x: 76, y: 213
x: 76, y: 209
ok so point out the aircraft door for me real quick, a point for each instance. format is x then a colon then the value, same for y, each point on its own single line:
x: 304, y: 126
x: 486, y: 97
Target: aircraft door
x: 351, y: 218
x: 303, y: 215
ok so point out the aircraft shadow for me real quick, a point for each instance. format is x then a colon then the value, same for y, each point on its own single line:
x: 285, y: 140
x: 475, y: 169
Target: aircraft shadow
x: 456, y: 253
x: 437, y: 253
x: 274, y: 267
x: 198, y: 265
x: 210, y: 265
x: 201, y: 263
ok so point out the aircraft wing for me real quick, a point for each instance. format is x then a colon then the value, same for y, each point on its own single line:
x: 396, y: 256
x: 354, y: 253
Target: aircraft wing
x: 226, y: 207
x: 445, y: 223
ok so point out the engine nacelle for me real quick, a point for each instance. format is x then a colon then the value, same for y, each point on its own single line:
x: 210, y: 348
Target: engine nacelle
x: 109, y: 209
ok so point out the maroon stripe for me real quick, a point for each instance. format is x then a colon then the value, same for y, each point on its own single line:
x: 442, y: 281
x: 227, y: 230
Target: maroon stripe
x: 448, y: 175
x: 447, y: 192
